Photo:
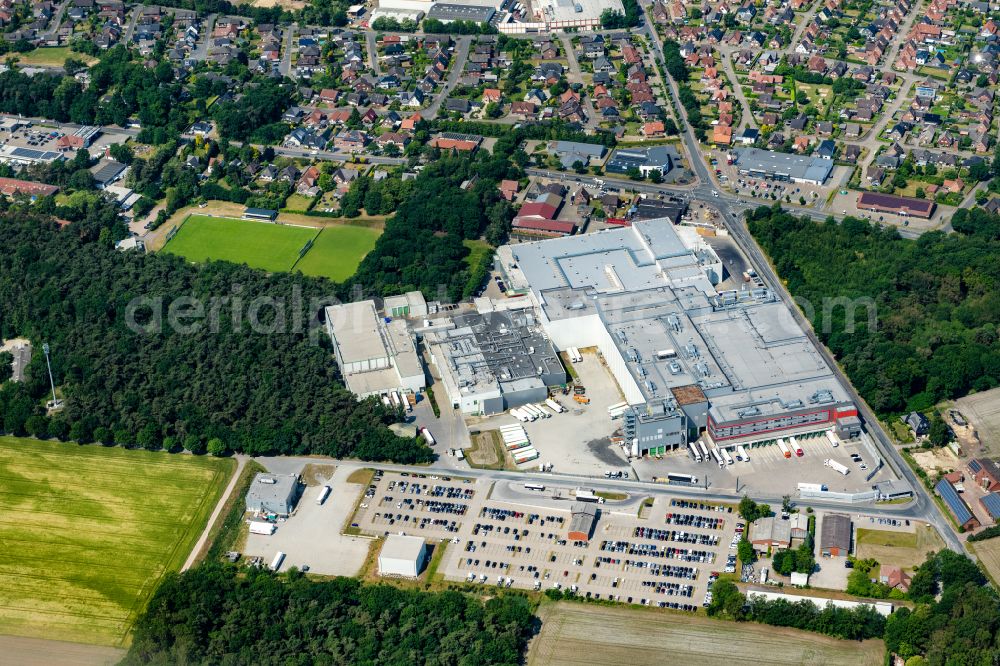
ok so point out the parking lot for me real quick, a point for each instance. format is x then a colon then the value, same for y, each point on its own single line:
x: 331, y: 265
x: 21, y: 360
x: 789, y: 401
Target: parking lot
x: 433, y: 507
x: 665, y: 559
x: 758, y: 475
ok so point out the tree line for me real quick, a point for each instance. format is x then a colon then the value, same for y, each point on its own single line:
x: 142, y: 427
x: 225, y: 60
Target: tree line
x: 224, y: 385
x: 935, y: 302
x: 218, y: 614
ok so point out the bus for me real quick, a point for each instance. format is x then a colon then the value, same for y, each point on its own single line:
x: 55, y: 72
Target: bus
x: 695, y: 453
x: 674, y: 477
x: 784, y: 449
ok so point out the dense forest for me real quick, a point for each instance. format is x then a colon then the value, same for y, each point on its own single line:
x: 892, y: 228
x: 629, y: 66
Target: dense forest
x: 959, y: 628
x: 211, y: 614
x: 266, y: 387
x: 937, y: 301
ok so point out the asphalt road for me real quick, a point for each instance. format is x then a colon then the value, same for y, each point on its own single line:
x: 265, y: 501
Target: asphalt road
x: 458, y: 58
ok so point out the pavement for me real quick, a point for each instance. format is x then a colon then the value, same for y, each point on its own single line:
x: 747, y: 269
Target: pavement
x: 241, y: 462
x: 286, y: 52
x: 373, y: 53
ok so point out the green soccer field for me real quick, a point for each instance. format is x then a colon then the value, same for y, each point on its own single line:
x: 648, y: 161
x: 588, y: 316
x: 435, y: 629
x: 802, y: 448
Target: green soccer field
x: 269, y: 247
x: 338, y: 251
x: 88, y: 532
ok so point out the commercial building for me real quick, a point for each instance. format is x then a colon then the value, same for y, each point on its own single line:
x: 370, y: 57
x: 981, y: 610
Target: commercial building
x: 446, y: 13
x: 582, y: 521
x: 886, y: 491
x: 402, y: 555
x: 890, y: 203
x: 689, y: 359
x: 646, y: 160
x: 273, y: 493
x: 835, y: 535
x: 494, y: 361
x: 13, y: 187
x: 770, y: 532
x: 558, y: 14
x: 571, y: 152
x: 757, y: 163
x: 374, y: 356
x: 959, y: 509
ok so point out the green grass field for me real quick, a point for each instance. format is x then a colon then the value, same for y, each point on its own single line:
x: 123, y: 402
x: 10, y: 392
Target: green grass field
x: 335, y: 254
x: 338, y: 251
x: 270, y: 247
x: 479, y: 251
x: 89, y: 531
x: 52, y: 56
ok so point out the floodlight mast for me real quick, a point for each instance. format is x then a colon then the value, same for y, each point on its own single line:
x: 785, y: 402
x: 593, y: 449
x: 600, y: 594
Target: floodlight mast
x: 48, y: 363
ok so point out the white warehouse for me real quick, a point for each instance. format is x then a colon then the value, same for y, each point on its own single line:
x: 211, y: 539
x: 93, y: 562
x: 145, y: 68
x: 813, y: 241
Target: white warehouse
x: 402, y: 555
x: 374, y: 356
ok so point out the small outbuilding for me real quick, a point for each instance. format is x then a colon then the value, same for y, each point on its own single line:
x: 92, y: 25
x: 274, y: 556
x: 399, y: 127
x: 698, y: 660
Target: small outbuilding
x: 402, y: 555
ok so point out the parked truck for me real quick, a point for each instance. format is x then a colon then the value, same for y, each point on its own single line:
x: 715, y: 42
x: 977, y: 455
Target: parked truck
x: 744, y: 456
x: 555, y: 406
x: 726, y: 456
x: 260, y: 527
x: 836, y: 466
x: 796, y: 448
x: 276, y: 562
x: 813, y: 487
x: 587, y: 495
x: 832, y: 437
x: 428, y: 437
x: 324, y: 492
x: 785, y: 451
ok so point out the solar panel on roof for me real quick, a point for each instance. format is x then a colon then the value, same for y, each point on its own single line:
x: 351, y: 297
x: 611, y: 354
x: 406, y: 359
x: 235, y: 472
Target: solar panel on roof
x: 954, y: 502
x: 991, y: 503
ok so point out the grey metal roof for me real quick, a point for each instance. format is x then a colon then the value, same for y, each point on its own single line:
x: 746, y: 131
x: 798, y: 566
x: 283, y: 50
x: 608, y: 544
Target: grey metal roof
x: 836, y: 532
x: 800, y: 167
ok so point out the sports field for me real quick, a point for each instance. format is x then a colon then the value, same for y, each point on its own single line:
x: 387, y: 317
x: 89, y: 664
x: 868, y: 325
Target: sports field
x: 335, y: 253
x: 338, y: 251
x: 89, y: 531
x: 270, y: 247
x: 575, y: 633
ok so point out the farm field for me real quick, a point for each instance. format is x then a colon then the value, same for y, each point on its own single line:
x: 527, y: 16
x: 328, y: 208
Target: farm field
x: 337, y: 251
x: 983, y: 412
x: 901, y: 549
x: 270, y: 247
x: 576, y: 633
x: 89, y: 531
x: 988, y: 553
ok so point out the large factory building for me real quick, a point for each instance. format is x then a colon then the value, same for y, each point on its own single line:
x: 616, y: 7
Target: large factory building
x: 690, y: 359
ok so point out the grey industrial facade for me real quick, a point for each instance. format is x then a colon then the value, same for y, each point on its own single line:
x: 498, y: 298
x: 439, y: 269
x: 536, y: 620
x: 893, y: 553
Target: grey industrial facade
x: 690, y: 359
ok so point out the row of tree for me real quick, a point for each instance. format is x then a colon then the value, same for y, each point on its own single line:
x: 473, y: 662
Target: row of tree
x: 217, y: 614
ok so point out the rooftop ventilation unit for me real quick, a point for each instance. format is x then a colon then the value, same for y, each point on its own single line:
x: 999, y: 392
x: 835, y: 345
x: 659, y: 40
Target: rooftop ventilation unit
x: 675, y: 368
x: 749, y: 411
x: 674, y: 322
x: 821, y: 396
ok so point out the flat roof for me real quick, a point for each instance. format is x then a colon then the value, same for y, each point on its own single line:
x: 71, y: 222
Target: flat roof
x: 356, y: 329
x: 449, y: 12
x: 402, y: 547
x: 800, y: 167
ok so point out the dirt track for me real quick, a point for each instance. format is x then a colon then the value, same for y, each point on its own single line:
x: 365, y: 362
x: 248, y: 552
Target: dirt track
x: 39, y: 652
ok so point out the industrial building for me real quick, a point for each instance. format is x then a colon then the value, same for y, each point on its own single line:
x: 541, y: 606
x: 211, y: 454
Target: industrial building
x: 402, y: 555
x: 410, y: 304
x: 890, y: 203
x: 582, y: 521
x: 774, y: 532
x: 689, y: 359
x: 446, y: 13
x: 757, y: 163
x: 375, y: 356
x: 273, y: 493
x: 835, y: 535
x: 494, y: 361
x: 571, y: 152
